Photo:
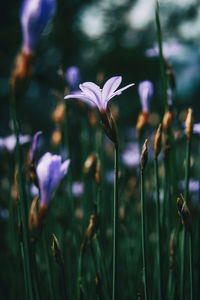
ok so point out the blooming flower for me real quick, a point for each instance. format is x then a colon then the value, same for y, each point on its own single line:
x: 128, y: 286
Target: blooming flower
x: 9, y: 142
x: 34, y: 17
x: 91, y: 92
x: 50, y: 172
x: 72, y: 76
x: 145, y: 90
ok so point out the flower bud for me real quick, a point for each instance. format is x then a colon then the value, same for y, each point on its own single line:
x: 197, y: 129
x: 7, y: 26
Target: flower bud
x: 183, y: 211
x: 90, y: 165
x: 158, y: 141
x: 109, y: 125
x: 58, y: 114
x: 141, y: 122
x: 57, y: 253
x: 90, y: 232
x: 167, y: 121
x: 189, y: 124
x: 56, y: 137
x: 144, y: 156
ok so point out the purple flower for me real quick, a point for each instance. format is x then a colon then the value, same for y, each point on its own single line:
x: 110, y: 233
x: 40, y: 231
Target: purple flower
x: 50, y: 171
x: 145, y: 90
x: 169, y: 50
x: 77, y: 189
x: 131, y: 155
x: 92, y: 94
x: 34, y: 146
x: 34, y: 17
x: 72, y: 76
x: 9, y: 142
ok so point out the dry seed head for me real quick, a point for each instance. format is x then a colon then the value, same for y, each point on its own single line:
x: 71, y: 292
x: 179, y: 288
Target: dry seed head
x: 158, y: 141
x: 59, y: 113
x: 144, y: 156
x: 57, y: 251
x: 189, y: 124
x: 167, y: 121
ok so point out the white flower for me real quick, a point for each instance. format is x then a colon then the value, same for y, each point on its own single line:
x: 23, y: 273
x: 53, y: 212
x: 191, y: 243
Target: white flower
x: 50, y: 171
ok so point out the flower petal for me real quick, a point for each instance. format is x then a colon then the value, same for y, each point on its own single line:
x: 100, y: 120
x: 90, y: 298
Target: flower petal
x: 92, y: 91
x: 81, y: 96
x: 117, y: 93
x: 64, y: 167
x: 110, y: 86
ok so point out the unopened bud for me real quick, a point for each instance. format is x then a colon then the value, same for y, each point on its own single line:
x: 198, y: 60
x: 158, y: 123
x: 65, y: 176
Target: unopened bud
x: 141, y: 122
x: 56, y: 137
x: 167, y: 121
x: 98, y: 173
x: 144, y: 156
x: 158, y: 141
x: 57, y: 253
x: 90, y: 232
x: 189, y: 124
x: 32, y: 220
x: 58, y: 114
x: 109, y: 125
x: 90, y: 165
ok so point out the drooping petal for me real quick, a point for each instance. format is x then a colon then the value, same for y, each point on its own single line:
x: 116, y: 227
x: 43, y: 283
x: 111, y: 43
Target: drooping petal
x: 64, y: 167
x: 93, y: 91
x: 34, y: 145
x: 117, y: 93
x: 110, y: 86
x: 81, y: 96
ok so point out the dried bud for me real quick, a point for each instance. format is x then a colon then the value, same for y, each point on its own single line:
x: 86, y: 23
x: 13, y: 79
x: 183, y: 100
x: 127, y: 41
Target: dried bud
x: 183, y: 211
x: 98, y: 173
x: 189, y: 124
x: 21, y: 74
x: 90, y: 165
x: 109, y: 125
x: 56, y: 137
x: 58, y: 114
x: 144, y: 156
x: 141, y: 122
x: 32, y: 220
x: 57, y: 251
x: 158, y: 141
x: 90, y: 232
x: 167, y: 121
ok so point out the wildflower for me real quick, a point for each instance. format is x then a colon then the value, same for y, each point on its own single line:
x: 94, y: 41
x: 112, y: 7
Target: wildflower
x: 92, y: 94
x: 72, y: 76
x: 50, y: 172
x: 9, y: 142
x: 34, y: 18
x: 145, y: 90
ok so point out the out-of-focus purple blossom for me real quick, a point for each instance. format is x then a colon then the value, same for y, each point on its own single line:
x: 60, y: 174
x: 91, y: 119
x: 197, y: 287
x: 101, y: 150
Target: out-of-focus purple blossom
x: 34, y: 146
x: 73, y: 77
x: 50, y: 171
x: 35, y: 15
x: 8, y: 143
x: 4, y: 213
x: 34, y: 190
x: 194, y: 188
x: 145, y: 90
x: 77, y: 189
x: 91, y: 92
x: 169, y: 50
x: 110, y: 177
x: 170, y: 99
x: 131, y: 155
x: 196, y: 128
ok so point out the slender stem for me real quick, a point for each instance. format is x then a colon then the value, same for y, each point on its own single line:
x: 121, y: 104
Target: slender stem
x: 64, y: 281
x: 191, y: 266
x: 22, y: 200
x: 80, y: 278
x: 49, y: 273
x: 143, y: 237
x: 115, y: 225
x: 162, y: 62
x: 158, y: 228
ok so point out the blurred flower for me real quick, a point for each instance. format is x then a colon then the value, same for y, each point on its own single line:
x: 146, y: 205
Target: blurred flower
x: 4, y: 213
x: 169, y: 49
x: 77, y: 189
x: 91, y: 93
x: 34, y: 190
x: 131, y: 155
x: 34, y: 17
x: 145, y: 90
x: 9, y: 142
x: 72, y: 76
x: 196, y: 128
x: 34, y: 146
x: 50, y: 172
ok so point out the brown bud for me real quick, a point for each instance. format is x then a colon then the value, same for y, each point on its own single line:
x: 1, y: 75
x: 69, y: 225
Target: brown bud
x: 57, y: 253
x: 141, y: 122
x: 189, y: 124
x: 171, y: 251
x: 109, y: 125
x: 90, y: 165
x: 144, y: 156
x: 32, y: 220
x: 167, y: 121
x: 90, y: 232
x: 21, y: 74
x: 158, y: 141
x: 56, y: 137
x: 98, y: 173
x: 58, y: 114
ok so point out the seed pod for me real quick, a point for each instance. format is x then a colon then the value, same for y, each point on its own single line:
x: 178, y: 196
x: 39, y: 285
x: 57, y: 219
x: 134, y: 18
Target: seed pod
x: 158, y: 141
x: 189, y: 124
x: 57, y: 253
x: 167, y: 121
x: 144, y: 156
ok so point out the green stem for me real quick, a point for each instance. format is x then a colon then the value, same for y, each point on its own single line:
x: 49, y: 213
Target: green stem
x: 115, y: 225
x: 22, y: 201
x: 158, y: 228
x: 80, y: 278
x: 162, y: 62
x: 191, y: 267
x: 64, y: 281
x: 143, y: 237
x: 47, y: 262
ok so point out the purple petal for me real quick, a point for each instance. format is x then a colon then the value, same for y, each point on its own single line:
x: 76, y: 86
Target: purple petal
x: 64, y: 167
x: 117, y: 93
x: 92, y: 91
x: 81, y: 96
x: 110, y: 86
x: 34, y: 145
x: 72, y: 76
x: 145, y: 90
